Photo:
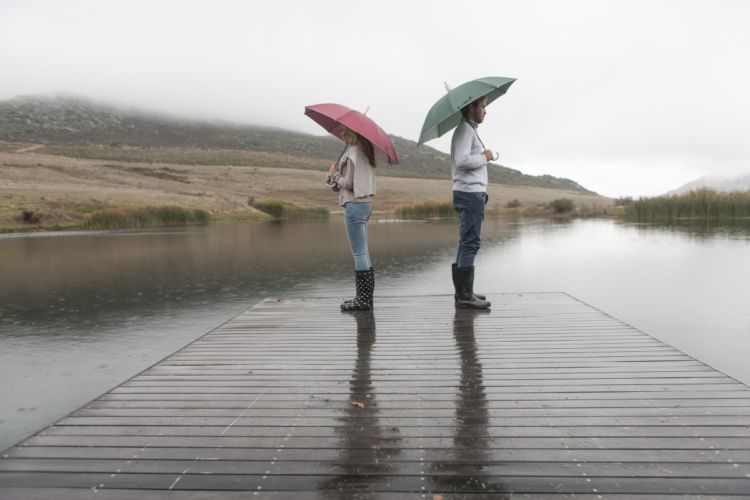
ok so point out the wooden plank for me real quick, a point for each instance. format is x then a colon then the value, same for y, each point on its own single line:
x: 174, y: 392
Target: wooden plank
x: 43, y: 494
x: 418, y: 375
x: 740, y: 394
x: 387, y: 383
x: 487, y: 442
x: 395, y: 468
x: 723, y: 390
x: 504, y: 413
x: 208, y: 401
x: 544, y: 397
x: 424, y: 431
x: 653, y: 456
x: 350, y: 479
x: 414, y: 421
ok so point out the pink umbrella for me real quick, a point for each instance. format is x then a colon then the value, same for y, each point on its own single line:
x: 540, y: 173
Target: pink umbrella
x: 332, y: 116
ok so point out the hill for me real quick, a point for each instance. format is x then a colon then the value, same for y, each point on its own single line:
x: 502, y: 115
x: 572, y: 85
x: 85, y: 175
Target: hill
x: 717, y: 183
x: 81, y: 128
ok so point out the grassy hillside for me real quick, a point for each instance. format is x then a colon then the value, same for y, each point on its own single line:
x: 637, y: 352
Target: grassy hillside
x: 63, y: 161
x: 42, y: 191
x: 79, y: 128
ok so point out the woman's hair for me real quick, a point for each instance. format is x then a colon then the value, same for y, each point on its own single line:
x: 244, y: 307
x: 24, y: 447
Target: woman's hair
x: 367, y: 148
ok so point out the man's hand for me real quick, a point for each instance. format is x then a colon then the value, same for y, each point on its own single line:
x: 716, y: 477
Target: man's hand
x: 488, y: 154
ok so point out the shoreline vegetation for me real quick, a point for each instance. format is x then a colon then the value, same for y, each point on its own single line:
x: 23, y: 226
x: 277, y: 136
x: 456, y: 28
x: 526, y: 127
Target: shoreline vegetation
x: 702, y: 205
x: 274, y: 210
x: 144, y: 217
x: 705, y: 205
x: 278, y: 210
x: 283, y: 210
x: 43, y: 192
x: 559, y: 207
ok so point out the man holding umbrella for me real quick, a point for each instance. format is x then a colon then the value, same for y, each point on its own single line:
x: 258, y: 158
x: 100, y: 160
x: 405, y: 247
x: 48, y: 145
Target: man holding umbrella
x: 463, y: 108
x: 469, y: 161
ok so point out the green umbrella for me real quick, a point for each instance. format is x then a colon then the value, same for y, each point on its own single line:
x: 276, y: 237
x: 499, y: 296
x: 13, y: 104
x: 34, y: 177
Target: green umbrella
x: 445, y: 114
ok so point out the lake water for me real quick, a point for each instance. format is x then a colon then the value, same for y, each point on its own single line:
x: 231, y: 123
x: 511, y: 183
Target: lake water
x: 81, y: 313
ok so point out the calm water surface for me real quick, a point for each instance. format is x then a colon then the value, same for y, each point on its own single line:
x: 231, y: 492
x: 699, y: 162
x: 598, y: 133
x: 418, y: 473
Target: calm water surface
x: 81, y: 313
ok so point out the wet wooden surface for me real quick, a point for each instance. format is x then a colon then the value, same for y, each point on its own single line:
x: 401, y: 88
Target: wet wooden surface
x: 543, y: 397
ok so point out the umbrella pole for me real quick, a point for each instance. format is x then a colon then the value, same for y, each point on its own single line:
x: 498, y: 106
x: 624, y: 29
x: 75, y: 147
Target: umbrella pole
x: 342, y: 153
x: 483, y: 146
x: 479, y: 139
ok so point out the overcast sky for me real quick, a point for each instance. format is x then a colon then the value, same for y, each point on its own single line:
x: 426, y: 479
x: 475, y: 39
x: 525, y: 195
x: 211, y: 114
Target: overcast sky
x: 626, y: 97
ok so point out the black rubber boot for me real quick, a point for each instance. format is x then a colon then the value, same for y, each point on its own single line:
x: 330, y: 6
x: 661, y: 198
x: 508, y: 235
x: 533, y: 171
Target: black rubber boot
x: 454, y: 266
x: 365, y: 284
x: 465, y: 290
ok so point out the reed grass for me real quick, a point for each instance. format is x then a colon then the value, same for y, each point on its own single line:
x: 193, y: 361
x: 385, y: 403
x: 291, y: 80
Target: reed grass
x: 701, y: 204
x: 164, y: 216
x: 426, y: 210
x: 282, y: 210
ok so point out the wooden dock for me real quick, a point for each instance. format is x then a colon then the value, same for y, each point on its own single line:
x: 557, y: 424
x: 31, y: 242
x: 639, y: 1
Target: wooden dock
x: 543, y: 397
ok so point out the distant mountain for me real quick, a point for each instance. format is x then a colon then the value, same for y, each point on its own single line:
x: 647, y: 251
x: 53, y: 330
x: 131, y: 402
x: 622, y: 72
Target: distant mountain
x: 67, y: 120
x: 717, y: 183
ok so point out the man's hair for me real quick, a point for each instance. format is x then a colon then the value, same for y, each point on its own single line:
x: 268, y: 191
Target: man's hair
x: 465, y: 109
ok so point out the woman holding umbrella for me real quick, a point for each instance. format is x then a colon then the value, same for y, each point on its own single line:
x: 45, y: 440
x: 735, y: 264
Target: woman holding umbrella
x: 353, y: 176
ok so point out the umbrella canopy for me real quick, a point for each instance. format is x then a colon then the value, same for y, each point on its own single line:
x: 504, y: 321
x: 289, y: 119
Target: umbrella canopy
x: 445, y: 114
x: 333, y: 117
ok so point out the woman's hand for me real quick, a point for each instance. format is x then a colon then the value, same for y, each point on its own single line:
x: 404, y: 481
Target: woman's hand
x: 333, y: 170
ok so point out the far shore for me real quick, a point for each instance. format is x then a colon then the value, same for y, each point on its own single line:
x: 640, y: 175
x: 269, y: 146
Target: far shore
x: 42, y: 192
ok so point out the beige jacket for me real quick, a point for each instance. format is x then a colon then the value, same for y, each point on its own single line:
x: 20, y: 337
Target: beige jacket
x: 356, y: 178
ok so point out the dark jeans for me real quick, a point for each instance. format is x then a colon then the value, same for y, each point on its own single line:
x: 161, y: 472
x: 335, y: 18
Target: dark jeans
x: 470, y: 208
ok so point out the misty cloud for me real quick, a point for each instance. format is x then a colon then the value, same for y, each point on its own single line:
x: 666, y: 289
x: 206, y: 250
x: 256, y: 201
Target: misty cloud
x: 627, y: 98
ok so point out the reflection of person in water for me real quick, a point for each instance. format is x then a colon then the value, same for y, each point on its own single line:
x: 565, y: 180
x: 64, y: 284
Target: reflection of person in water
x: 472, y: 415
x: 471, y: 437
x: 366, y: 448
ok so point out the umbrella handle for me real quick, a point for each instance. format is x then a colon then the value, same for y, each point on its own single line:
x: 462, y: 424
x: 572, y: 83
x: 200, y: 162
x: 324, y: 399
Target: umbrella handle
x: 335, y: 186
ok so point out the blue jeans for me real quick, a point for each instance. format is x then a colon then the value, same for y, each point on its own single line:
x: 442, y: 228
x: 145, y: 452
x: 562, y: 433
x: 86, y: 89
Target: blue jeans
x: 356, y: 216
x: 470, y: 208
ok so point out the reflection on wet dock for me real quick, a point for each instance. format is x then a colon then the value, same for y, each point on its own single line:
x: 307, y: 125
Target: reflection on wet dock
x: 543, y: 397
